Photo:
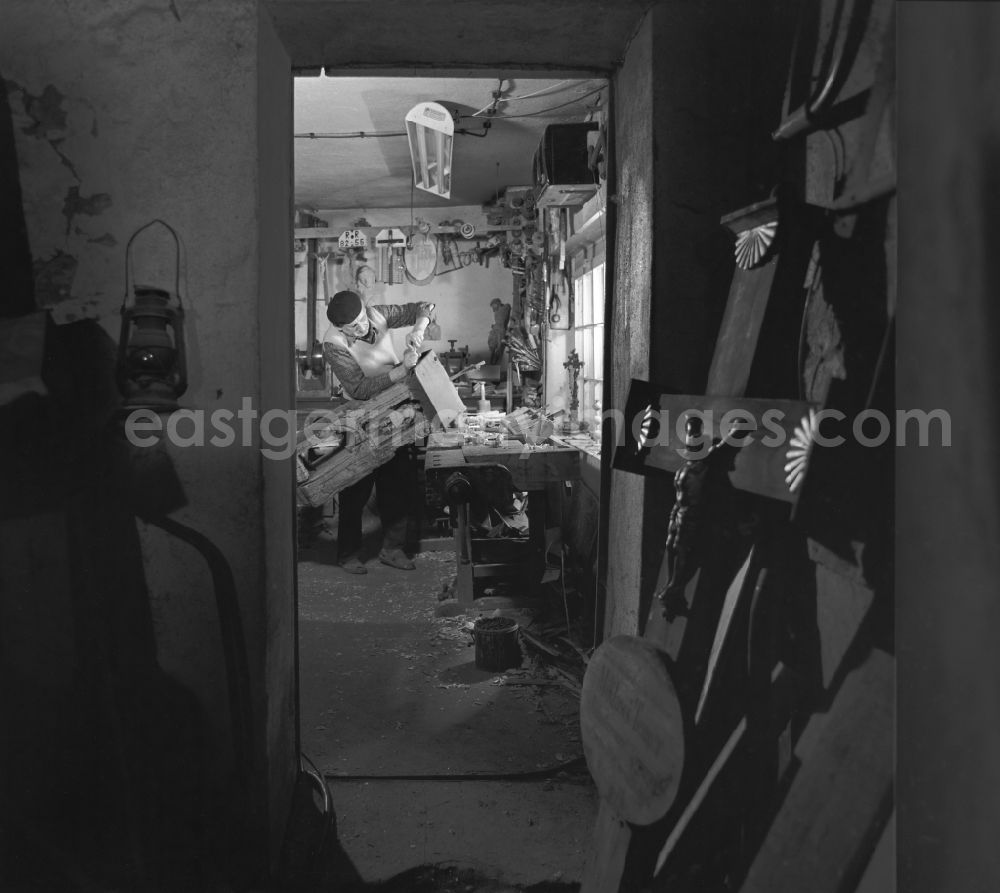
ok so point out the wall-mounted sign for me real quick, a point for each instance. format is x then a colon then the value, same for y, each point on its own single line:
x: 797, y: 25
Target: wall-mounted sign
x: 352, y: 238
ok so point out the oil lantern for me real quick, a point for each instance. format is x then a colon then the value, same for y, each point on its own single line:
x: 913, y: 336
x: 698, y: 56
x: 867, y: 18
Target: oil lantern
x: 151, y: 369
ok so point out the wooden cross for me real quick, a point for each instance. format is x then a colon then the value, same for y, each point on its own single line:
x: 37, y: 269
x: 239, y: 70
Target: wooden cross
x: 573, y: 365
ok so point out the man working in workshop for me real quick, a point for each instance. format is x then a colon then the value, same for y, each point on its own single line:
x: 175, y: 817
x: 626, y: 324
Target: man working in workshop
x: 359, y: 349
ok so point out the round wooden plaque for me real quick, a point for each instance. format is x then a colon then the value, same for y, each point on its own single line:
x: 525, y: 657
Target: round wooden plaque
x: 632, y: 728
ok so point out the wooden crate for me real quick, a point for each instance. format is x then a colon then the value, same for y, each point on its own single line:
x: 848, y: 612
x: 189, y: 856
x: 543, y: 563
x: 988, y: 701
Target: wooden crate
x: 375, y: 429
x: 372, y: 438
x: 357, y: 459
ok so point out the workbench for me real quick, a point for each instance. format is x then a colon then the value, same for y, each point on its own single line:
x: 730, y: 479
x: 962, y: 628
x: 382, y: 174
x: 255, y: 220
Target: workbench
x: 461, y: 471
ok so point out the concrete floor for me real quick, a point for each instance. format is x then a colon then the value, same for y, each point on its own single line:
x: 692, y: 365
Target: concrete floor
x: 444, y: 776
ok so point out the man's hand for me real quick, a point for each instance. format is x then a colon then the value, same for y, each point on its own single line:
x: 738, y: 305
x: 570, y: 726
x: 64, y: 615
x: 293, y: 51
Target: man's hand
x: 399, y: 373
x: 415, y: 337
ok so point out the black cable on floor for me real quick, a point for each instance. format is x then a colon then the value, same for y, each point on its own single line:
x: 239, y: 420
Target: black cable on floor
x: 529, y: 775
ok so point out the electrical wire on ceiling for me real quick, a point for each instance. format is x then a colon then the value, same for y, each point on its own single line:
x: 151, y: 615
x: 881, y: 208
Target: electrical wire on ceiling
x: 543, y: 111
x: 544, y: 91
x: 365, y: 134
x: 352, y: 135
x: 497, y: 98
x: 482, y: 133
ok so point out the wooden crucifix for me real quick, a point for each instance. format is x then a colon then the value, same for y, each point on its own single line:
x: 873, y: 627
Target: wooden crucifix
x: 573, y: 365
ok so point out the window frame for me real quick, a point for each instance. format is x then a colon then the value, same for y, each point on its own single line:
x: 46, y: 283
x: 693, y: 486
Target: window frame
x: 586, y: 324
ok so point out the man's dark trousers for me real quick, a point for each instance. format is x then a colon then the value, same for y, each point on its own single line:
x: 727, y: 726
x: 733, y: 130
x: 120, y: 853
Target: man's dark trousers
x: 397, y: 495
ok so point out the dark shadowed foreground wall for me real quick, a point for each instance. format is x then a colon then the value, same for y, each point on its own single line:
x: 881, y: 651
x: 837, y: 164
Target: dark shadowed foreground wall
x: 948, y: 508
x: 123, y: 113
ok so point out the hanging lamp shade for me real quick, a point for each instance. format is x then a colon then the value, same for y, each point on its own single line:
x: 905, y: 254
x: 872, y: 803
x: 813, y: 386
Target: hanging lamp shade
x: 431, y: 132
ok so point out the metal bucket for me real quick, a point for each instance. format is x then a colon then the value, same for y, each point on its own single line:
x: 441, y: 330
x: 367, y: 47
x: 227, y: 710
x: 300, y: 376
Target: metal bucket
x: 497, y: 645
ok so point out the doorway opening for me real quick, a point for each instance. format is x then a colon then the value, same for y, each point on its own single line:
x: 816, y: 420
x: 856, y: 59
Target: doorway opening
x: 408, y: 678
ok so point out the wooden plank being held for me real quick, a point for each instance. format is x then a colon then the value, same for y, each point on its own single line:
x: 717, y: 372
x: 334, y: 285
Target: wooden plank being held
x: 438, y: 390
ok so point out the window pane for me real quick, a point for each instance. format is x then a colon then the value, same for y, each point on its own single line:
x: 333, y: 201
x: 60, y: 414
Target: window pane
x: 597, y: 309
x: 588, y: 299
x: 578, y: 300
x: 597, y: 370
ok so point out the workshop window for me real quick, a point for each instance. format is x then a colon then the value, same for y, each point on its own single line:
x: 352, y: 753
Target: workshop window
x: 588, y: 292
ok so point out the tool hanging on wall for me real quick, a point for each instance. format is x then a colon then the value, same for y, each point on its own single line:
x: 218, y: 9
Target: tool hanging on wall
x: 561, y: 302
x: 535, y: 285
x: 523, y: 353
x: 563, y: 235
x: 446, y: 253
x: 546, y: 296
x: 322, y: 274
x: 555, y: 308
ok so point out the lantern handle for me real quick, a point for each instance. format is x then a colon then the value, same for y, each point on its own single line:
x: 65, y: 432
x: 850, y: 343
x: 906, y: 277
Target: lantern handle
x: 177, y: 260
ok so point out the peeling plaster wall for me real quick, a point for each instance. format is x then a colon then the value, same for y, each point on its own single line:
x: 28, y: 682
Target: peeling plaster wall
x: 632, y: 291
x: 125, y: 112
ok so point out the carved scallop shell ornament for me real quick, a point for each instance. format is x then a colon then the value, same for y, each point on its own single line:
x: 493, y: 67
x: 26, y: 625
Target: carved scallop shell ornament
x: 799, y: 451
x: 753, y: 245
